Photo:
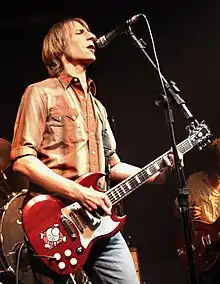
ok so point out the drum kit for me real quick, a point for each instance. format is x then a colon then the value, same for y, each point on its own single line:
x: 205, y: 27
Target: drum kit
x: 15, y: 265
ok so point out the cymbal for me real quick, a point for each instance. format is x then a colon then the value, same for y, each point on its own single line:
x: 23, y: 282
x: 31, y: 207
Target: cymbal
x: 5, y: 149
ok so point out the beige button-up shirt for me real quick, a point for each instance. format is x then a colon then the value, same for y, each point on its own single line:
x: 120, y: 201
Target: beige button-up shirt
x: 62, y: 126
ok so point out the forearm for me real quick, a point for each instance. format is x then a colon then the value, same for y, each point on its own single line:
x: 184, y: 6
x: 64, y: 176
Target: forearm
x: 40, y: 174
x: 121, y: 171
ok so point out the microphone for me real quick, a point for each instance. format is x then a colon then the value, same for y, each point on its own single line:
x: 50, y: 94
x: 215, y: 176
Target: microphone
x: 106, y: 39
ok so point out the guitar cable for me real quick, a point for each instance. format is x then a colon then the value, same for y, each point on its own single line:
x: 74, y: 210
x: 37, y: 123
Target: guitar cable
x: 44, y: 256
x: 18, y: 263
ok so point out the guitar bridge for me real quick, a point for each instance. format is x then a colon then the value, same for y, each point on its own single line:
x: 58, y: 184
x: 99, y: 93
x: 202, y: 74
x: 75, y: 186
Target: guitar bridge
x: 67, y: 224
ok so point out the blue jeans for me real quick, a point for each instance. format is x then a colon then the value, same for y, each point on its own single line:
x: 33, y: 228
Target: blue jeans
x: 112, y: 262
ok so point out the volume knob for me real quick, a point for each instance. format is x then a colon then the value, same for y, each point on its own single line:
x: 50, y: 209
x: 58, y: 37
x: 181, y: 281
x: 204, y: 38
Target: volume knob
x: 73, y: 261
x: 57, y: 256
x: 67, y: 252
x: 61, y: 265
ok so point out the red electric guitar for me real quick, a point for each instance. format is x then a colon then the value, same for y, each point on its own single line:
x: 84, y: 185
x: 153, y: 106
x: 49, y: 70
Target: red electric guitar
x: 62, y: 236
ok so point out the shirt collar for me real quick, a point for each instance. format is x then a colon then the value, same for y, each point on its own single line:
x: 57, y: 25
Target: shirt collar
x: 67, y: 80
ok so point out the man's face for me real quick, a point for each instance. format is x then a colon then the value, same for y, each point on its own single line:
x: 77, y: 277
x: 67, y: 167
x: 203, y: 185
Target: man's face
x: 81, y: 47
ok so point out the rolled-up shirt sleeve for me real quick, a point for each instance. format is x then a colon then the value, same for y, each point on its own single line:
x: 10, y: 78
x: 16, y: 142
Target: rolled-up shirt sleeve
x: 29, y: 124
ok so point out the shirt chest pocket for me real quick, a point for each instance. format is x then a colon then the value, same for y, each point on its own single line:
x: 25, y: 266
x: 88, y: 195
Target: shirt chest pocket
x: 64, y: 125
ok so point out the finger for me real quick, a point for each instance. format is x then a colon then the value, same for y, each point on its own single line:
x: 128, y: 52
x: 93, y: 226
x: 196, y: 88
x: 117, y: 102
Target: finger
x: 180, y: 155
x: 88, y: 208
x: 104, y: 198
x: 193, y: 211
x: 105, y: 204
x: 167, y: 161
x: 106, y: 209
x: 91, y: 205
x: 196, y: 217
x: 197, y: 208
x: 108, y: 202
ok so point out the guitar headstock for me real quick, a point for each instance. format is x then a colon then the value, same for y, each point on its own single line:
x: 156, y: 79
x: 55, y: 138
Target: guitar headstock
x: 199, y: 134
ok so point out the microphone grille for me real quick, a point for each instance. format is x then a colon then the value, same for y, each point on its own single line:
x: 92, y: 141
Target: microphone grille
x: 134, y: 19
x: 101, y: 42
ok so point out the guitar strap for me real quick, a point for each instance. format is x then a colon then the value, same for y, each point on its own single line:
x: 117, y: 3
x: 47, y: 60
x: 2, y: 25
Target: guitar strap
x: 106, y: 146
x: 107, y: 150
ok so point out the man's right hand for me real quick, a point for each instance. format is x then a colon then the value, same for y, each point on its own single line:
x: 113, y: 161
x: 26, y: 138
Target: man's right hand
x: 92, y: 199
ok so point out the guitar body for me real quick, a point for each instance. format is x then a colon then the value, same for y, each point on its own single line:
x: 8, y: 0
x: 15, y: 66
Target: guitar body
x: 205, y: 245
x: 61, y: 235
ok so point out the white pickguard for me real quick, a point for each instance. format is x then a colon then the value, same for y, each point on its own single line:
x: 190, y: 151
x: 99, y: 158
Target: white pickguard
x: 106, y: 226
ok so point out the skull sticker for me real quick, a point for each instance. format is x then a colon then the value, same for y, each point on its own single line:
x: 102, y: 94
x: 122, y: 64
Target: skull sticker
x: 52, y: 237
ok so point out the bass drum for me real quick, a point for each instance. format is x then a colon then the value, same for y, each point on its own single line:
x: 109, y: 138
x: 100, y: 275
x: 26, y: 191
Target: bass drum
x: 14, y: 256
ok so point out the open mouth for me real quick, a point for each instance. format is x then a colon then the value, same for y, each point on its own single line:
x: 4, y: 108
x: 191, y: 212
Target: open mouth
x: 91, y: 48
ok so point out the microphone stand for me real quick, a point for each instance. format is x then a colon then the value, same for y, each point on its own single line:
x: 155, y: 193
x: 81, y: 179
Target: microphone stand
x: 183, y: 191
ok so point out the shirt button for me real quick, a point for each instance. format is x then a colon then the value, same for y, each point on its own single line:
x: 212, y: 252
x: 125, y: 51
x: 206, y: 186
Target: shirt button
x: 74, y: 117
x: 59, y: 117
x: 91, y: 133
x: 93, y: 152
x: 75, y: 79
x: 90, y: 115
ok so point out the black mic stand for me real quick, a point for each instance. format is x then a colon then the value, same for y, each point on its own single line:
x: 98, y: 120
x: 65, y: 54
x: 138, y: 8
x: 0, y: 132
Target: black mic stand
x: 183, y: 191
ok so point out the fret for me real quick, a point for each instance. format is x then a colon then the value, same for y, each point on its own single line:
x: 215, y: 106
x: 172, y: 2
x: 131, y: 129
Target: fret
x: 137, y: 179
x: 114, y: 196
x: 184, y: 147
x: 154, y: 169
x: 157, y: 167
x: 133, y: 183
x: 127, y: 186
x: 122, y: 188
x: 148, y: 172
x: 142, y: 177
x: 118, y: 192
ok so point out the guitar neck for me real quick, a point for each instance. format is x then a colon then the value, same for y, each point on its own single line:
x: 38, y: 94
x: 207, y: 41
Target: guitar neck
x: 127, y: 186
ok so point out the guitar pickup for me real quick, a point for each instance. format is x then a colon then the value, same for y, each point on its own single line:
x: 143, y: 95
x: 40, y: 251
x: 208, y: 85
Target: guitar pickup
x: 66, y: 224
x: 83, y: 217
x: 93, y: 218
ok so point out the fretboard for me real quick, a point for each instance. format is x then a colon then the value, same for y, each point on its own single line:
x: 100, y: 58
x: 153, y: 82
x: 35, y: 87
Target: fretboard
x: 124, y: 188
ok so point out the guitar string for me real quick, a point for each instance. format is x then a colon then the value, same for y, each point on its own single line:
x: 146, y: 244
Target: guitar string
x: 120, y: 193
x: 133, y: 181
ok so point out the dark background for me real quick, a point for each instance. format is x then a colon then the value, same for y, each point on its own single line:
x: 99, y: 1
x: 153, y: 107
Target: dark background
x: 186, y: 35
